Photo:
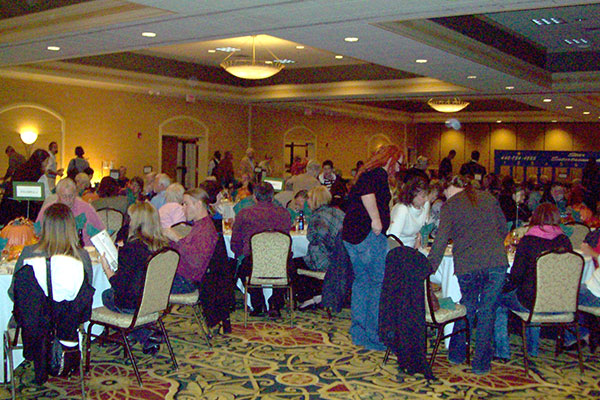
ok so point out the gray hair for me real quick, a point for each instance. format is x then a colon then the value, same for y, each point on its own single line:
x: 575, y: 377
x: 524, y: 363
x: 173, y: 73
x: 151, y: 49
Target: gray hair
x: 66, y: 184
x: 313, y: 167
x: 174, y: 193
x: 163, y: 180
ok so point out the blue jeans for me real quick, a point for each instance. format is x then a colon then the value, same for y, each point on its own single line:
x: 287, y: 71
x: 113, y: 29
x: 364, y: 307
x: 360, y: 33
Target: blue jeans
x: 141, y: 334
x: 509, y: 301
x: 368, y: 263
x: 588, y: 299
x: 480, y: 291
x: 182, y: 285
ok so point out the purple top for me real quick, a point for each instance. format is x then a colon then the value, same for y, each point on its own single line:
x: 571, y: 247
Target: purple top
x: 80, y: 207
x: 196, y: 249
x: 262, y: 216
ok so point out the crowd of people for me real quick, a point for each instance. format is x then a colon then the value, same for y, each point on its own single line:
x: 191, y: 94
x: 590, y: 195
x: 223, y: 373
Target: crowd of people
x: 347, y: 219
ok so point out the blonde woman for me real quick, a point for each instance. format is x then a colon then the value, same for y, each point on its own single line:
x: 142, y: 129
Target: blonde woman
x: 145, y: 238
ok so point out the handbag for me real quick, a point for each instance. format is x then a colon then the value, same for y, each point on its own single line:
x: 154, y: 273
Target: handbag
x: 62, y: 360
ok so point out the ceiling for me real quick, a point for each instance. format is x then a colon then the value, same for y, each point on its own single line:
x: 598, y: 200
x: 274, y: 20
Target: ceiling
x: 488, y: 52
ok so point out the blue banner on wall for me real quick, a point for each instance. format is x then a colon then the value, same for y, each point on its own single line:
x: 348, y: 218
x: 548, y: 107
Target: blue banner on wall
x: 542, y: 159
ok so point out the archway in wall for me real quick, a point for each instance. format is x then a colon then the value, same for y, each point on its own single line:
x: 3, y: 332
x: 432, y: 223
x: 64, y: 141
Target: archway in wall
x: 298, y: 141
x: 183, y: 150
x: 49, y: 125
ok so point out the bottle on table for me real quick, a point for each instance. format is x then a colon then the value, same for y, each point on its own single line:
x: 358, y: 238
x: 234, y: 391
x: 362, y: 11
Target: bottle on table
x: 301, y: 220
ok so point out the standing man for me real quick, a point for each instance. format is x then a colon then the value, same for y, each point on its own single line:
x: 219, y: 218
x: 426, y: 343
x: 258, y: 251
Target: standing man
x: 247, y: 164
x: 123, y: 179
x: 51, y: 171
x: 327, y: 177
x: 445, y: 169
x: 473, y: 169
x: 214, y: 163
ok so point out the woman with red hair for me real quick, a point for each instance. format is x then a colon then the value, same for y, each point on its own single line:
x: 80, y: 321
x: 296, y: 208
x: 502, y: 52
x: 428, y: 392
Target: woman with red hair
x: 367, y: 216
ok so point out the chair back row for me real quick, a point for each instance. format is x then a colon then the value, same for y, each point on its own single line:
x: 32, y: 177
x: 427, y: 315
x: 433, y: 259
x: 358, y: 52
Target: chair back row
x: 159, y: 279
x: 270, y: 254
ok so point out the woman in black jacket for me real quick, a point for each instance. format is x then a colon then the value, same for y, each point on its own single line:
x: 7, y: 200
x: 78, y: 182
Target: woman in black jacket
x: 519, y: 291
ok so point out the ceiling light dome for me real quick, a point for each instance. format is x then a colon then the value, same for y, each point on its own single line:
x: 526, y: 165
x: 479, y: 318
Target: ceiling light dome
x: 447, y: 105
x: 251, y: 68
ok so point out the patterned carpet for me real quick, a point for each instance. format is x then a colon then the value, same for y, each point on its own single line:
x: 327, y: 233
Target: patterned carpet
x: 313, y: 360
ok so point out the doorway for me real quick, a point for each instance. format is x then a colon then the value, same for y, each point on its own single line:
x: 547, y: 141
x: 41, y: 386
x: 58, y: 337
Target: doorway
x: 180, y: 159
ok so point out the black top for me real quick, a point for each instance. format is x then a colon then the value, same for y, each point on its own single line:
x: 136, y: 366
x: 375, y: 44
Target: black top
x: 523, y: 271
x: 445, y: 169
x: 357, y: 223
x: 474, y: 169
x: 509, y: 208
x: 128, y: 282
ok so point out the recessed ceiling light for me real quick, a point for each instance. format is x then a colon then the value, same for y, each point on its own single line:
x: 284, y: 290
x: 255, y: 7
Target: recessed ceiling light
x: 420, y: 61
x: 509, y: 87
x: 228, y: 49
x: 268, y: 62
x: 53, y: 48
x: 212, y: 51
x: 568, y: 107
x: 285, y: 61
x: 472, y: 77
x: 351, y: 39
x: 547, y: 100
x: 499, y: 121
x: 586, y: 113
x: 553, y: 120
x: 339, y: 57
x: 547, y: 21
x: 300, y: 47
x: 148, y: 34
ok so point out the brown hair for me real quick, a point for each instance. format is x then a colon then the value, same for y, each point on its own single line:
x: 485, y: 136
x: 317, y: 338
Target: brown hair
x: 199, y: 194
x: 409, y: 190
x: 145, y: 225
x: 463, y: 182
x: 380, y: 158
x: 545, y: 214
x: 59, y: 234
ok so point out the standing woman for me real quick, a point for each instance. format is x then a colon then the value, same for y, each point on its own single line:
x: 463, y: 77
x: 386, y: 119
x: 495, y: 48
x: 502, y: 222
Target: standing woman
x: 367, y: 217
x: 77, y: 164
x: 474, y: 221
x: 411, y: 212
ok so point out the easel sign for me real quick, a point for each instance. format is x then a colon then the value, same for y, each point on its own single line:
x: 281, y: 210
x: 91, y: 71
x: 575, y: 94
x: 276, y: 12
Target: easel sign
x: 31, y: 191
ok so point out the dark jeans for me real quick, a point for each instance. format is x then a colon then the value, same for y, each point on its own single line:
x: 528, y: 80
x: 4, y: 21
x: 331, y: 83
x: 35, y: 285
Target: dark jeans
x: 141, y: 334
x: 257, y: 300
x: 480, y: 291
x: 182, y: 285
x: 509, y: 301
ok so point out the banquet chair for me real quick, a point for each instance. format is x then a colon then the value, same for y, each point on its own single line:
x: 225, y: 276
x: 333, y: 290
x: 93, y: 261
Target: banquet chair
x: 592, y: 325
x: 182, y: 228
x: 12, y: 341
x: 438, y: 319
x: 557, y: 280
x: 270, y: 252
x: 393, y: 242
x: 151, y: 308
x: 192, y: 300
x: 580, y: 231
x: 112, y: 219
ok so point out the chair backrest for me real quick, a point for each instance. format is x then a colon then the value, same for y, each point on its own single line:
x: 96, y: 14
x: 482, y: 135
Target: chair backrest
x: 579, y: 233
x: 429, y: 310
x: 157, y: 284
x: 558, y: 275
x: 270, y: 253
x: 182, y: 228
x: 393, y: 242
x: 112, y: 219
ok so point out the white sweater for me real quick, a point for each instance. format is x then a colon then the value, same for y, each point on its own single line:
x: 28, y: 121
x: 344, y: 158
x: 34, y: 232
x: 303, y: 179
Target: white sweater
x: 407, y: 221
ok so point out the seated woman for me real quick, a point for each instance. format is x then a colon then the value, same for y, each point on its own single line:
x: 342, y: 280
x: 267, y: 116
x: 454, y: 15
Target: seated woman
x: 145, y: 237
x: 300, y: 203
x: 519, y: 290
x: 577, y: 209
x: 72, y: 290
x: 324, y: 226
x: 108, y: 196
x: 171, y: 212
x: 411, y: 212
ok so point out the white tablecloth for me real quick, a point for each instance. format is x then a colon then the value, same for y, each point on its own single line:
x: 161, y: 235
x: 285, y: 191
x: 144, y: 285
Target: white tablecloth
x: 444, y: 276
x: 299, y: 245
x: 99, y: 282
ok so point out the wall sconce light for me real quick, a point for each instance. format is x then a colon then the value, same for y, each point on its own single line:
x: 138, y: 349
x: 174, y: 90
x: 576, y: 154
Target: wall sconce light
x: 29, y: 136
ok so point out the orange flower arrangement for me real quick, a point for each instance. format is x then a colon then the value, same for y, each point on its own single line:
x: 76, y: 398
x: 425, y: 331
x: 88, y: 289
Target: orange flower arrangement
x: 19, y: 233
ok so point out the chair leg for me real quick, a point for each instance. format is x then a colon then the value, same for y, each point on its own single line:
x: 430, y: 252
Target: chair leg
x: 524, y: 340
x: 291, y: 306
x: 246, y: 304
x: 81, y: 358
x: 386, y: 356
x: 131, y: 358
x: 468, y: 341
x: 9, y: 354
x: 438, y: 341
x: 168, y: 342
x: 88, y: 347
x: 580, y: 359
x: 199, y: 315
